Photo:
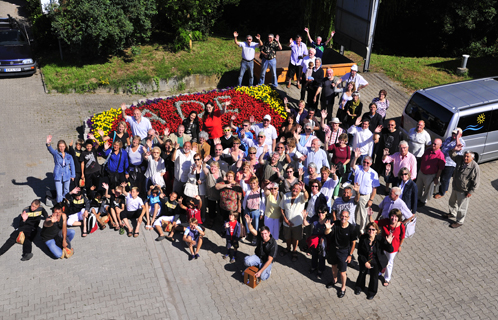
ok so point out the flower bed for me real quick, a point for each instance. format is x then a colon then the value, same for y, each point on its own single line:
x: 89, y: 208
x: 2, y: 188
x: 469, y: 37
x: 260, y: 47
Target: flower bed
x: 170, y: 112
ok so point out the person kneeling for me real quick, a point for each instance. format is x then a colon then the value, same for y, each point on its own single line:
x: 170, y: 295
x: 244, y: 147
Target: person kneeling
x: 265, y: 253
x: 193, y: 238
x: 56, y: 235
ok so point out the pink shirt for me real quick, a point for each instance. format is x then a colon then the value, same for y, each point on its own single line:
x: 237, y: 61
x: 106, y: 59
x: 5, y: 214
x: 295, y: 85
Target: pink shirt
x: 409, y: 161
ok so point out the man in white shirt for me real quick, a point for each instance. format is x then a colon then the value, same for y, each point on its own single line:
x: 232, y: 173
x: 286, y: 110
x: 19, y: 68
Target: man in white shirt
x: 362, y: 137
x: 269, y: 131
x: 353, y: 76
x: 259, y: 144
x: 139, y: 125
x: 368, y: 181
x: 248, y: 51
x: 184, y: 159
x: 314, y: 154
x: 418, y: 140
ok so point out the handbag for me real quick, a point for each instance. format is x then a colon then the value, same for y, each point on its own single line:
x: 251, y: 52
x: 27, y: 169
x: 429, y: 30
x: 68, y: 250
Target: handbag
x: 191, y: 189
x: 410, y: 228
x: 104, y: 165
x: 20, y: 237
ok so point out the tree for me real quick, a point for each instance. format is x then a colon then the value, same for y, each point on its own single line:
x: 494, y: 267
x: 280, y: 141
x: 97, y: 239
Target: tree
x: 99, y: 27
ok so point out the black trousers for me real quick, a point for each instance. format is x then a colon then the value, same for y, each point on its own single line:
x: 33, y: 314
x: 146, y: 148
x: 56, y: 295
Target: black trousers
x: 373, y: 284
x: 29, y: 234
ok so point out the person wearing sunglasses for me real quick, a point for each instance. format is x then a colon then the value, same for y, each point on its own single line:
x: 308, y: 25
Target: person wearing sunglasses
x: 273, y: 213
x: 258, y: 143
x: 317, y: 241
x: 227, y: 139
x: 371, y: 258
x: 409, y: 191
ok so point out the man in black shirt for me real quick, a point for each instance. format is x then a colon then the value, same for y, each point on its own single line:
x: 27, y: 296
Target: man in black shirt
x: 342, y: 241
x: 265, y: 253
x: 389, y: 138
x: 28, y: 226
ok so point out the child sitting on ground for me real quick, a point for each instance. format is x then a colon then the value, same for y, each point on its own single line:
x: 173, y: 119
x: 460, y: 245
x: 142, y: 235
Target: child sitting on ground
x: 232, y: 227
x: 169, y: 217
x: 193, y: 238
x: 99, y: 205
x: 117, y: 205
x: 153, y: 205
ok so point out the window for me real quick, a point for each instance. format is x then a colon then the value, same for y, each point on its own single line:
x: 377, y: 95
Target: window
x: 436, y: 117
x: 475, y: 123
x: 494, y: 121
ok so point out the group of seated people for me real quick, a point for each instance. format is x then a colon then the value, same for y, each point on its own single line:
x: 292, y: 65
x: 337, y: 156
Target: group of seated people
x: 314, y: 181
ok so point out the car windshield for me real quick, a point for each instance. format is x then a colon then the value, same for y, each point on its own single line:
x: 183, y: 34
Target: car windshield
x: 436, y: 117
x: 12, y: 38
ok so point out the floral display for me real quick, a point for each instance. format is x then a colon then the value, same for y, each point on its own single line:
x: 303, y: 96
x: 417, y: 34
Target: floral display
x: 170, y: 112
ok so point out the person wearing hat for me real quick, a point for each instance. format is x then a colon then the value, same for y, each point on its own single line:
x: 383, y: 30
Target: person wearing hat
x: 353, y: 76
x: 269, y: 131
x: 332, y: 130
x: 449, y: 144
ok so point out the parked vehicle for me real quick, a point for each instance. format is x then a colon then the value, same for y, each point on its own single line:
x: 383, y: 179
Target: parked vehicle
x: 16, y: 57
x: 469, y: 105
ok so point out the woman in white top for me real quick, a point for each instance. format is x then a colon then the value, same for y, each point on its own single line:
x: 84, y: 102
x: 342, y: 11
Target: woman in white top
x: 136, y: 154
x: 156, y: 168
x: 254, y: 204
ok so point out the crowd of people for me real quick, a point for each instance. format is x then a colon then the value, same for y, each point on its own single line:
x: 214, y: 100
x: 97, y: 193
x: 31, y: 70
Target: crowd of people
x: 310, y: 182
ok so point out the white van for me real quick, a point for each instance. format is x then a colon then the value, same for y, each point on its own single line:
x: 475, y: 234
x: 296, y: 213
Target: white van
x: 470, y: 105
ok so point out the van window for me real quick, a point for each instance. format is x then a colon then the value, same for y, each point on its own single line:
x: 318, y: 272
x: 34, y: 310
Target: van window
x: 494, y: 121
x: 475, y: 123
x: 436, y: 117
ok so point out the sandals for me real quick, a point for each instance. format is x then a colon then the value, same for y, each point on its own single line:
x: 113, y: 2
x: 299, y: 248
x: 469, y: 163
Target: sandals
x: 136, y: 234
x: 84, y: 234
x: 130, y: 234
x: 386, y: 283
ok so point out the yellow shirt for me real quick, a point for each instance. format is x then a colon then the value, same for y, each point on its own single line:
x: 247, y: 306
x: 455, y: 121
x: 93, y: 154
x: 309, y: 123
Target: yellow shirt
x: 273, y: 207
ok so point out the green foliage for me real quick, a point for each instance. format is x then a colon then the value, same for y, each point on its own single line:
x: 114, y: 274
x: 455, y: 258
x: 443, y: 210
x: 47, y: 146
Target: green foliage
x: 452, y: 28
x: 319, y: 18
x: 136, y: 51
x: 99, y: 27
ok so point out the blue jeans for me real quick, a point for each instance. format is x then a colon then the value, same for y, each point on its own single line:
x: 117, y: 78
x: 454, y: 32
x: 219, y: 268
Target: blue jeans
x: 273, y: 67
x: 62, y: 188
x: 445, y: 179
x: 244, y: 65
x: 55, y: 248
x: 254, y: 260
x: 255, y: 218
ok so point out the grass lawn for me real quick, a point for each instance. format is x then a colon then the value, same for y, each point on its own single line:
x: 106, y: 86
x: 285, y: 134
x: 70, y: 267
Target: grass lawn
x: 219, y: 55
x: 421, y: 72
x: 215, y: 56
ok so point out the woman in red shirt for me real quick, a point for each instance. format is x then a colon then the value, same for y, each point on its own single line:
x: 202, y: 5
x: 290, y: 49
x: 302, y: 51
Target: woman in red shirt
x: 341, y: 152
x: 211, y: 119
x: 392, y: 225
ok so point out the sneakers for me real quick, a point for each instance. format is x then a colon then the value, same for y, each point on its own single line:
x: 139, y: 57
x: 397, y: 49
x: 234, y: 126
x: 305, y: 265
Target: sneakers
x: 196, y: 256
x: 27, y: 256
x: 226, y: 256
x: 190, y: 257
x: 121, y: 231
x: 232, y: 260
x: 160, y: 238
